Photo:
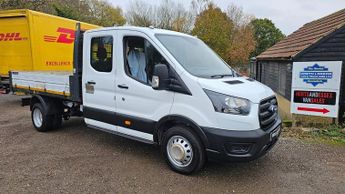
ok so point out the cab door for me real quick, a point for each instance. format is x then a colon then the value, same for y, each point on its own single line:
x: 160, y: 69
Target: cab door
x: 98, y: 80
x: 138, y: 105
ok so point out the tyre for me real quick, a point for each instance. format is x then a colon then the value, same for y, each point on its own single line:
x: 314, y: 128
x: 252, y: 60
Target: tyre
x: 183, y: 150
x: 40, y: 118
x: 57, y: 121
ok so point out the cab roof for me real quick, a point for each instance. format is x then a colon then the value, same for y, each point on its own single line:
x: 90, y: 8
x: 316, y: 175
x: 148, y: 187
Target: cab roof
x: 147, y: 30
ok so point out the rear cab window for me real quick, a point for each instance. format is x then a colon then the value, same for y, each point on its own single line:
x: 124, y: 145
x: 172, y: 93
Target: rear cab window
x: 102, y: 53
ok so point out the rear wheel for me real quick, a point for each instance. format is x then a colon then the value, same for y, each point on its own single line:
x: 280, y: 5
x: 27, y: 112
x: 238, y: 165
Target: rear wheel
x: 42, y: 120
x: 183, y: 150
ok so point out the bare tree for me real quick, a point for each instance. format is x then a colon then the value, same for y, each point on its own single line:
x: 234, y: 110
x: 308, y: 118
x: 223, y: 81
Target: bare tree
x: 237, y: 15
x: 140, y: 14
x: 198, y: 6
x: 183, y: 19
x: 167, y: 15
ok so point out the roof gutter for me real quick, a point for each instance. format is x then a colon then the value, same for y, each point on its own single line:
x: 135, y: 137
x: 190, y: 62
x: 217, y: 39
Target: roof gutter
x: 275, y: 59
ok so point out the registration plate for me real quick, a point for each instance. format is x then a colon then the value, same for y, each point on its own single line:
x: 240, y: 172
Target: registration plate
x: 275, y: 133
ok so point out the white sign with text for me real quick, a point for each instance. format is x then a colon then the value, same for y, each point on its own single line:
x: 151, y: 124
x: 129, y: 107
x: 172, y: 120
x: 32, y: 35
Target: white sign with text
x: 315, y: 88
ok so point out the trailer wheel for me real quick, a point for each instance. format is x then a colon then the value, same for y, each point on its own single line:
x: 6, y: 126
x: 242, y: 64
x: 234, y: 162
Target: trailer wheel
x: 183, y: 150
x: 40, y: 118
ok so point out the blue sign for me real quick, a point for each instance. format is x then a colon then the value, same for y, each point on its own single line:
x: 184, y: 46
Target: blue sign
x: 316, y: 75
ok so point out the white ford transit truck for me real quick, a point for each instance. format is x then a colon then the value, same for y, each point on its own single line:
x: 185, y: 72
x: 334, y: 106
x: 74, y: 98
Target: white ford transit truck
x: 158, y: 87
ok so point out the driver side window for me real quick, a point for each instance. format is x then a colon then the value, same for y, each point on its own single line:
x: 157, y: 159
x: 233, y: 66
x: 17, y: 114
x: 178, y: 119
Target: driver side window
x: 140, y: 58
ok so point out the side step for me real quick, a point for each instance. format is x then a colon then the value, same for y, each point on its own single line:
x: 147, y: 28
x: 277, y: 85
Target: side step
x: 122, y: 135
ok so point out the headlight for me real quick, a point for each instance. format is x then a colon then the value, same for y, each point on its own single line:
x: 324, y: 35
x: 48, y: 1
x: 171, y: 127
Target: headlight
x: 228, y: 104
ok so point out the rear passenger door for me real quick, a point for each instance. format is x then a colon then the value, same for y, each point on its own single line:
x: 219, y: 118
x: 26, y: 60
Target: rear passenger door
x: 98, y: 80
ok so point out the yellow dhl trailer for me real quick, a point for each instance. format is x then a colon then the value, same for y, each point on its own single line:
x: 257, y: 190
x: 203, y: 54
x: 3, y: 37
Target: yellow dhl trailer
x: 34, y: 41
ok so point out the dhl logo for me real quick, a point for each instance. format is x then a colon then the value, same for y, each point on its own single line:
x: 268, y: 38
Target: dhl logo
x: 66, y: 36
x: 12, y: 36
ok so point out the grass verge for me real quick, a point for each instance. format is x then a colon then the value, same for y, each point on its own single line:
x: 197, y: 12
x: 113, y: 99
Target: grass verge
x: 329, y: 135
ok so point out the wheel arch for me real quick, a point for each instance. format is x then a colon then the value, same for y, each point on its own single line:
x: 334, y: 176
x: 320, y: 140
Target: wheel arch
x: 51, y: 105
x: 172, y: 120
x: 37, y: 99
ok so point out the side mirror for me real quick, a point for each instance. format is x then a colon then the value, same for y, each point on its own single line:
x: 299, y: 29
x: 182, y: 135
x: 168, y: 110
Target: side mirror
x: 160, y: 78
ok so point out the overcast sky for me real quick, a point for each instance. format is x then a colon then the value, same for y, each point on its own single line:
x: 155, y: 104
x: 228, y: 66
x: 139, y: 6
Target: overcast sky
x: 288, y: 15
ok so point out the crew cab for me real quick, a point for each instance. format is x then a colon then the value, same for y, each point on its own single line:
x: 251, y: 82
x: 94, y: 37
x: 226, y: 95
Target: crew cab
x: 158, y: 87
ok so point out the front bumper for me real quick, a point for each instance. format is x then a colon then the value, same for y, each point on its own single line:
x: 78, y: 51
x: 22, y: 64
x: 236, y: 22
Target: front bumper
x: 238, y: 146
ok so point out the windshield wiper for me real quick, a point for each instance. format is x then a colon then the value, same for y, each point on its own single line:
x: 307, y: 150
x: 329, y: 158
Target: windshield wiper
x: 222, y: 75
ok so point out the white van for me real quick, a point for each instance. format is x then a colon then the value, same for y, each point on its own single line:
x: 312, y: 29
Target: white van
x: 159, y: 87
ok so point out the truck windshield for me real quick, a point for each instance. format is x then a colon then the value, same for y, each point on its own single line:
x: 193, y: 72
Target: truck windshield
x: 196, y: 57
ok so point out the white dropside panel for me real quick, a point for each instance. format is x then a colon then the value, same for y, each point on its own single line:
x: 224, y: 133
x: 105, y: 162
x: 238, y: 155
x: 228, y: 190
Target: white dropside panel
x: 49, y: 82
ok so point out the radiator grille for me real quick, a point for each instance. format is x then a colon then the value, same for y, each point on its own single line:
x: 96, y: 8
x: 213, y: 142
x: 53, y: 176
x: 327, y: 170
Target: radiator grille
x: 268, y: 112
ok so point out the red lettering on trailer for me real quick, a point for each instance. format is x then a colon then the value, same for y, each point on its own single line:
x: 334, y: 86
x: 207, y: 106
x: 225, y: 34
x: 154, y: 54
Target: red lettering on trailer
x: 11, y: 36
x: 58, y: 63
x: 66, y: 36
x: 49, y: 38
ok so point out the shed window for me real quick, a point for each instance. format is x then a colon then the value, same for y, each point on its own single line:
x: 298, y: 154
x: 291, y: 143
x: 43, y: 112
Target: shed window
x: 276, y: 75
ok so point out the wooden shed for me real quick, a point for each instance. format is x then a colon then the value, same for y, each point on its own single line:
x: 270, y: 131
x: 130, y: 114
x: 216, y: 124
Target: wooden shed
x: 320, y: 40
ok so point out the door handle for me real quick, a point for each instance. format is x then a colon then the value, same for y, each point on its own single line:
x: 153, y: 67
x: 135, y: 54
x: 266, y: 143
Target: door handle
x: 91, y: 82
x: 122, y: 86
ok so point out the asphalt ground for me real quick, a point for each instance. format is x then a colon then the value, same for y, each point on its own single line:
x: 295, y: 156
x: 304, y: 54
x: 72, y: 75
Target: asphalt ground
x: 76, y: 159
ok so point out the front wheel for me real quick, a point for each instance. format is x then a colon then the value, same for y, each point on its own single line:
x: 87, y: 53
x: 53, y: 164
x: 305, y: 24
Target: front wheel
x: 183, y: 150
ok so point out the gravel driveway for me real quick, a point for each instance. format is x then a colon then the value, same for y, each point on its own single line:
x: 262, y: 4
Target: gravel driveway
x: 76, y: 159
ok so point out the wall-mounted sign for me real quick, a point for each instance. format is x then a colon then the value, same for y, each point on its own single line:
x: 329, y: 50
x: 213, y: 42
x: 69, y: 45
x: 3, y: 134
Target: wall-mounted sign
x: 315, y: 88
